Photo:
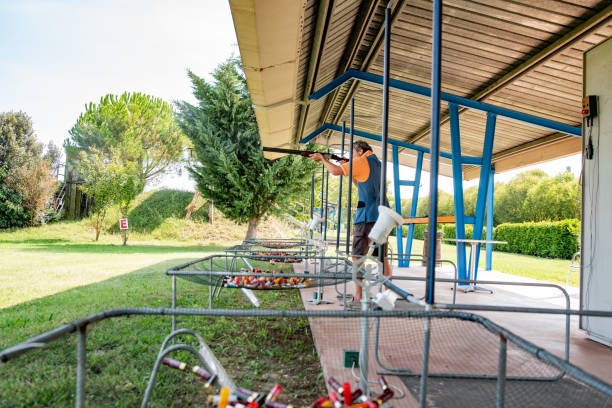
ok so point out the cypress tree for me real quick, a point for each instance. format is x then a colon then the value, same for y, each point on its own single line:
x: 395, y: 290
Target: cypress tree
x: 230, y: 169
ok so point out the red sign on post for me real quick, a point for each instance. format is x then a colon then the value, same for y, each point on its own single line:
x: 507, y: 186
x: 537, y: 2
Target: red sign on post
x: 123, y: 224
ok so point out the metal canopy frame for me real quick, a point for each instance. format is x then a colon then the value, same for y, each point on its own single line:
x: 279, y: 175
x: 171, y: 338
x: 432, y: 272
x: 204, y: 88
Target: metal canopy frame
x: 484, y: 203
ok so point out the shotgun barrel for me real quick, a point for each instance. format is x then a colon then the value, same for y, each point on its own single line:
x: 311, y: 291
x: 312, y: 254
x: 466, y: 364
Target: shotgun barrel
x: 305, y: 153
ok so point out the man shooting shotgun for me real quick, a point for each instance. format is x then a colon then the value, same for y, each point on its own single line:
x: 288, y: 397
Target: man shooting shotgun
x: 366, y: 176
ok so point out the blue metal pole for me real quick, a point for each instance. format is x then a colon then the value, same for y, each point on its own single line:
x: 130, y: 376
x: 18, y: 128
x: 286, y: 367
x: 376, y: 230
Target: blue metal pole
x: 398, y: 205
x: 322, y: 191
x: 385, y: 117
x: 312, y: 186
x: 326, y: 205
x: 434, y: 146
x: 490, y: 205
x: 340, y: 191
x: 485, y: 170
x: 350, y: 176
x: 458, y: 190
x: 414, y: 204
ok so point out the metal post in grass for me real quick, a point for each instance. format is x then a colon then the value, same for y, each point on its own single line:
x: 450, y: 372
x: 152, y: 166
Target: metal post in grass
x: 81, y: 369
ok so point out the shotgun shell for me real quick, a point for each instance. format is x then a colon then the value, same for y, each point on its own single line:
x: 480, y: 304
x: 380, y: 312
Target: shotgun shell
x: 357, y: 395
x: 371, y: 404
x: 253, y: 405
x: 346, y: 393
x: 333, y: 397
x: 335, y: 385
x: 318, y: 403
x: 360, y: 405
x: 200, y: 372
x: 383, y: 383
x: 272, y: 404
x: 213, y: 400
x: 224, y: 397
x: 385, y: 396
x: 273, y: 394
x: 209, y: 384
x: 242, y: 393
x: 174, y: 363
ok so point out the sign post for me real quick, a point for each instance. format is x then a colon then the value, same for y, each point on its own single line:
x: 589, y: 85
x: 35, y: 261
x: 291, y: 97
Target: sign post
x: 123, y: 226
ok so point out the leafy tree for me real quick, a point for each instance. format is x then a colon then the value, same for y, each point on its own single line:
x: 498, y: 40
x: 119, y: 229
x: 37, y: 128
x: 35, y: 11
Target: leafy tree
x: 12, y: 212
x: 107, y: 182
x: 17, y: 142
x: 510, y: 205
x: 232, y: 171
x: 27, y: 185
x: 139, y: 127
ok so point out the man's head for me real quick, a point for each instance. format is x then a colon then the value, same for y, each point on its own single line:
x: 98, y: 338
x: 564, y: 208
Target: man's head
x: 360, y: 148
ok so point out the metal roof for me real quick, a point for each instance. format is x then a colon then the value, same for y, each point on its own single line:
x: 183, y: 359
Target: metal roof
x: 524, y: 55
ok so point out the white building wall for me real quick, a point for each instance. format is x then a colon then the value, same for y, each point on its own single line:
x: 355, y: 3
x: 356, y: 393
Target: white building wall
x: 596, y: 278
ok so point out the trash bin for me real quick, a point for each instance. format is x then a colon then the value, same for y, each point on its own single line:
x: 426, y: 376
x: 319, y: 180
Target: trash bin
x: 439, y: 236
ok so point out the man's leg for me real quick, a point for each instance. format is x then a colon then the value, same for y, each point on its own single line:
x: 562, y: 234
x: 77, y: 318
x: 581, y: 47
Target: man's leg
x: 357, y: 296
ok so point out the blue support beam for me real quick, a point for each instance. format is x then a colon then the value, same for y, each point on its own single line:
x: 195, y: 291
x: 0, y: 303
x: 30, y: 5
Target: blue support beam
x: 398, y: 202
x: 490, y: 204
x: 458, y: 189
x: 483, y: 186
x: 413, y: 204
x: 434, y: 147
x: 353, y: 74
x: 397, y: 183
x: 392, y: 142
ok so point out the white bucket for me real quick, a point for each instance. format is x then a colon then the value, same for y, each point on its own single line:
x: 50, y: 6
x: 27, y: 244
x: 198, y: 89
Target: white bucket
x: 387, y: 220
x: 315, y: 221
x: 386, y: 300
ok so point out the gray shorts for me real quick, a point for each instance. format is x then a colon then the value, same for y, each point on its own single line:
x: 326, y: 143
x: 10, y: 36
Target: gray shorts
x: 361, y: 242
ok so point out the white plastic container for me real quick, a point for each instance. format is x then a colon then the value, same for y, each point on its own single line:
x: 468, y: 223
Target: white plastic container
x: 386, y: 221
x: 386, y: 300
x: 315, y: 221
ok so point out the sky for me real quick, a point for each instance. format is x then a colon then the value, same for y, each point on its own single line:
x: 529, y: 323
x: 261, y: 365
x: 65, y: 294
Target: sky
x: 59, y: 55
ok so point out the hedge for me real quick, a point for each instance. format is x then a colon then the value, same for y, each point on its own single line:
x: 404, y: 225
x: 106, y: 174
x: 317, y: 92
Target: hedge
x: 547, y: 239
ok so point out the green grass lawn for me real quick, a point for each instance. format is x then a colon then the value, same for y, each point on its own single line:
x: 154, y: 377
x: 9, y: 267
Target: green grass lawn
x: 55, y: 274
x: 550, y: 270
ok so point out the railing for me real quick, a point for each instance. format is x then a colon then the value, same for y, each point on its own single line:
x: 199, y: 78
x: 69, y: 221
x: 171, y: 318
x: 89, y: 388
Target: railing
x: 588, y: 383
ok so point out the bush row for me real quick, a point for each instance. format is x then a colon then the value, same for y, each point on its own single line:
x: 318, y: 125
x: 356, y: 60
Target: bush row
x: 547, y: 239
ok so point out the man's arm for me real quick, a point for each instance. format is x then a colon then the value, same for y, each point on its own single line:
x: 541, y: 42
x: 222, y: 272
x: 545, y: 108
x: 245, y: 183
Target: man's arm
x: 334, y: 169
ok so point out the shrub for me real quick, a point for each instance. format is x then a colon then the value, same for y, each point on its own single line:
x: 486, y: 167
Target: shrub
x: 12, y: 212
x: 450, y: 232
x: 548, y: 239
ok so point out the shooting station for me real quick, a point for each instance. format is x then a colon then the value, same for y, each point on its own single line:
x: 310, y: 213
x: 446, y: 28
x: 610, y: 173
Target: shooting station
x: 456, y: 88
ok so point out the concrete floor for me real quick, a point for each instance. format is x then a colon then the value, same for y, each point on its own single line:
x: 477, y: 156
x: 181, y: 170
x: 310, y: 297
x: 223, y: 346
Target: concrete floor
x: 460, y: 346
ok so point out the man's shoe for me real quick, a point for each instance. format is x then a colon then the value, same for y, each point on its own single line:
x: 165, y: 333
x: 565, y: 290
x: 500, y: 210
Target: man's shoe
x: 354, y: 305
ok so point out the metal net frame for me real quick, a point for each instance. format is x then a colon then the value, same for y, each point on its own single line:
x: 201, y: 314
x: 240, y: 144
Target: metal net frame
x: 509, y: 362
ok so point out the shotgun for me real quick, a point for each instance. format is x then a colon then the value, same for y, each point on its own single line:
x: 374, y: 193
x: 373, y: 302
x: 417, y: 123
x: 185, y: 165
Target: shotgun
x: 306, y: 153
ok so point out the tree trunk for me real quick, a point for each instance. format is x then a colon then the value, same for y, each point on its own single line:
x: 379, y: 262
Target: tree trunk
x: 97, y: 227
x: 192, y: 204
x: 211, y: 213
x: 252, y: 229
